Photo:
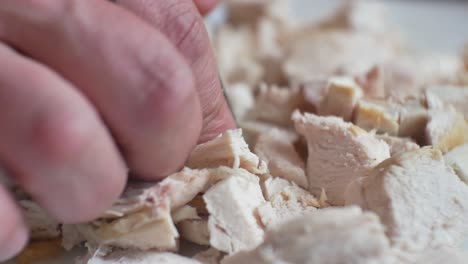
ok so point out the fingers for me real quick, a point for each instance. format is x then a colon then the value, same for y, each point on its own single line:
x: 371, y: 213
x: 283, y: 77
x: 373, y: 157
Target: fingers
x: 205, y: 6
x: 54, y: 143
x: 184, y: 27
x: 13, y: 231
x: 139, y: 82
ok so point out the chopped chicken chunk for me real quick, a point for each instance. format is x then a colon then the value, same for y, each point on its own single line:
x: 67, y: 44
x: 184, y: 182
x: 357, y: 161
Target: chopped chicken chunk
x: 241, y: 99
x: 279, y: 153
x: 446, y: 129
x: 359, y: 15
x: 338, y: 153
x: 441, y: 256
x: 457, y: 158
x: 231, y: 203
x: 343, y: 95
x: 372, y: 82
x: 457, y: 96
x: 270, y: 52
x: 195, y: 231
x: 228, y: 149
x: 249, y: 11
x: 234, y: 51
x: 246, y: 11
x: 186, y: 212
x: 327, y: 53
x: 209, y: 256
x: 131, y: 257
x: 150, y: 228
x: 71, y: 236
x: 413, y: 119
x: 180, y: 188
x: 398, y: 144
x: 286, y: 200
x: 272, y: 186
x: 314, y: 92
x: 419, y: 199
x: 328, y: 236
x: 253, y: 129
x: 40, y: 223
x: 275, y: 105
x: 377, y: 115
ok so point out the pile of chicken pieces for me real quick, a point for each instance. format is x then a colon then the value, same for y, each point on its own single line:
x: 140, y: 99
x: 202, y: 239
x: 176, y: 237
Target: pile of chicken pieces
x: 351, y: 149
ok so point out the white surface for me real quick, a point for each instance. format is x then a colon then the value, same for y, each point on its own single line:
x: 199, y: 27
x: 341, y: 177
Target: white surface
x: 435, y: 26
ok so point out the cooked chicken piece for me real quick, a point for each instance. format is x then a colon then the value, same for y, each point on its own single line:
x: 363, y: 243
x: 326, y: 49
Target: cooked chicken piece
x: 275, y: 105
x: 465, y: 56
x: 273, y: 186
x: 413, y: 119
x: 338, y: 153
x: 268, y: 40
x: 279, y: 153
x: 185, y: 212
x: 41, y: 225
x: 341, y: 98
x: 241, y: 99
x: 149, y: 228
x: 286, y: 200
x: 457, y: 96
x: 419, y: 199
x: 135, y: 257
x: 328, y: 236
x: 408, y: 75
x: 432, y: 101
x: 457, y: 158
x: 195, y: 231
x: 441, y: 256
x: 327, y: 53
x: 377, y: 115
x: 398, y: 144
x: 71, y: 236
x: 358, y: 15
x: 246, y: 11
x: 234, y: 48
x: 231, y: 203
x: 446, y: 129
x: 209, y: 256
x: 180, y: 188
x: 402, y: 77
x: 249, y: 11
x: 270, y: 52
x: 141, y: 218
x: 440, y: 68
x: 252, y: 129
x: 372, y: 82
x: 228, y: 149
x: 314, y: 92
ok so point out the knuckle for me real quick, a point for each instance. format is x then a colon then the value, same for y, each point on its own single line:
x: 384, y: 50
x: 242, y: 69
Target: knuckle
x: 165, y: 88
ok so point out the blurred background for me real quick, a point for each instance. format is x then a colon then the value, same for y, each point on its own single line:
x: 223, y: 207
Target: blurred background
x: 439, y: 26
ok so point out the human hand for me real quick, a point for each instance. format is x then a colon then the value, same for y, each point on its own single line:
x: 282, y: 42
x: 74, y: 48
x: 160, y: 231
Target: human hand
x: 90, y: 88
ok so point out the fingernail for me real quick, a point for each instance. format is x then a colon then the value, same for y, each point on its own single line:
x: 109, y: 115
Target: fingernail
x: 13, y: 244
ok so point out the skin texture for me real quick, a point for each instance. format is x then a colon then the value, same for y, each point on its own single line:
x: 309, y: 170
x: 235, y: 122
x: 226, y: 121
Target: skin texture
x: 91, y: 90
